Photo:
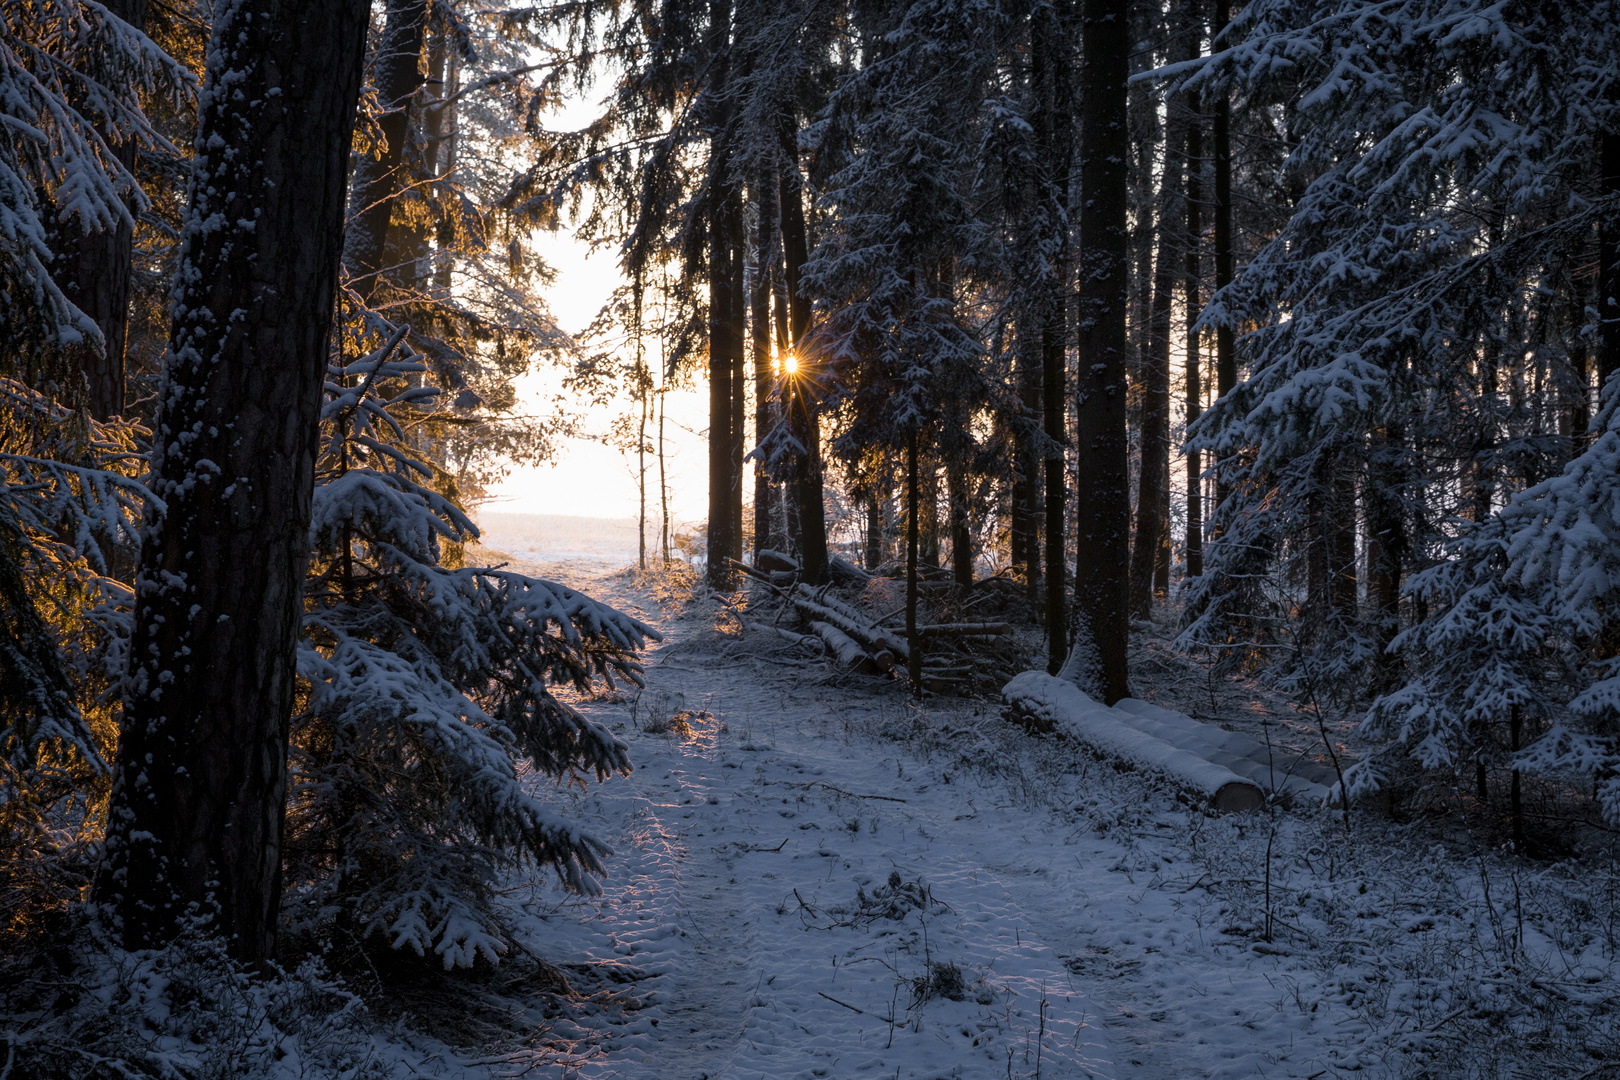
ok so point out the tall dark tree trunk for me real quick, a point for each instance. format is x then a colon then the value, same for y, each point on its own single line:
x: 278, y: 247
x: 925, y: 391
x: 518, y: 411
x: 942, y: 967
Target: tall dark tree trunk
x: 1386, y: 536
x: 93, y: 271
x: 199, y: 786
x: 1103, y: 523
x: 1225, y: 348
x: 874, y: 531
x: 1608, y: 299
x: 1195, y: 384
x: 913, y: 639
x: 929, y: 522
x: 759, y: 325
x: 1051, y: 64
x: 738, y: 349
x: 1152, y: 499
x: 795, y: 253
x: 378, y: 181
x: 721, y: 335
x: 956, y: 492
x: 1025, y: 527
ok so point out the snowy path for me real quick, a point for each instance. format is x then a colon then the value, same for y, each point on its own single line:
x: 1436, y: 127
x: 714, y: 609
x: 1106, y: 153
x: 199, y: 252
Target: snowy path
x: 798, y: 877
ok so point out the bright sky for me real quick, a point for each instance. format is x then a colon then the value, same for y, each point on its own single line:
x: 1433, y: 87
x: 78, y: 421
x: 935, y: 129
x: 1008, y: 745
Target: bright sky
x: 591, y: 478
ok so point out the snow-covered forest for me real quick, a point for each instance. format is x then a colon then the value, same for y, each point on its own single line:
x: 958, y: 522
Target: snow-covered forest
x: 1157, y: 613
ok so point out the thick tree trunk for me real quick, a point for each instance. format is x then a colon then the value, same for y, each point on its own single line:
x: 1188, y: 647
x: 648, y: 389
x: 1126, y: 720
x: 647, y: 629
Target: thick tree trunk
x: 1386, y: 537
x: 795, y: 253
x: 93, y: 271
x: 1051, y: 72
x: 738, y: 349
x: 199, y: 786
x: 1195, y: 385
x: 1225, y: 349
x: 874, y: 531
x: 1153, y: 477
x: 1608, y: 350
x: 1103, y: 523
x: 759, y: 325
x: 1025, y: 528
x: 378, y: 181
x: 914, y: 646
x: 956, y: 485
x: 721, y: 476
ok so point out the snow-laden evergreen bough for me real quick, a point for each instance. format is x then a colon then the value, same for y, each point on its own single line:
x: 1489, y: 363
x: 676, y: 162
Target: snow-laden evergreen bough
x: 427, y: 711
x: 1524, y: 623
x: 1420, y: 325
x: 71, y: 80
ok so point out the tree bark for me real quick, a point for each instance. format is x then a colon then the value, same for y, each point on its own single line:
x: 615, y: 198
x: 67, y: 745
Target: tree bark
x: 914, y: 647
x: 1225, y: 354
x: 719, y: 542
x: 1153, y: 477
x: 874, y: 531
x: 1050, y: 70
x: 378, y: 181
x: 956, y: 485
x: 759, y: 324
x: 738, y: 349
x: 1195, y: 385
x: 1608, y: 350
x: 199, y: 785
x: 795, y: 253
x: 1103, y: 522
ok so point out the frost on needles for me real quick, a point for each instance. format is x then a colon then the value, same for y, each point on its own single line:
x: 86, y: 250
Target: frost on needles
x: 426, y: 693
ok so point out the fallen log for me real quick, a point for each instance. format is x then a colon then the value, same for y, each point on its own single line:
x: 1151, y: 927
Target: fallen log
x: 769, y: 560
x: 846, y: 572
x: 1061, y: 706
x: 872, y: 637
x: 961, y: 630
x: 848, y: 650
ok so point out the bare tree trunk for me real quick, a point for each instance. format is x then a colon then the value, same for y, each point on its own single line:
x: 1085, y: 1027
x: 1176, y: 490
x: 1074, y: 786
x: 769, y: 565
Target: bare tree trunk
x: 956, y: 484
x: 795, y: 253
x: 1386, y: 536
x: 721, y: 366
x: 1195, y: 385
x: 200, y: 780
x: 1225, y: 349
x: 663, y: 475
x: 1154, y: 475
x: 641, y: 463
x: 874, y: 531
x: 765, y: 195
x: 914, y: 645
x: 1103, y: 547
x: 1025, y: 527
x: 378, y: 182
x: 739, y: 371
x: 1051, y: 72
x: 1608, y: 299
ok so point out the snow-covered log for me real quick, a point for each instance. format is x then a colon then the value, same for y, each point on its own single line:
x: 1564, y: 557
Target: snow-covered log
x: 830, y: 611
x: 770, y: 561
x: 849, y: 651
x: 1068, y: 710
x: 961, y: 630
x: 847, y: 573
x: 1243, y: 754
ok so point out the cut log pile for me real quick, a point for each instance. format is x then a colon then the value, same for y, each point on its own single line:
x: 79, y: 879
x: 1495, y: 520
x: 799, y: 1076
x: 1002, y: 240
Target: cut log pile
x: 958, y: 656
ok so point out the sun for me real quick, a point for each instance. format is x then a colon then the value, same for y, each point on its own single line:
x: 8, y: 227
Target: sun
x: 790, y: 364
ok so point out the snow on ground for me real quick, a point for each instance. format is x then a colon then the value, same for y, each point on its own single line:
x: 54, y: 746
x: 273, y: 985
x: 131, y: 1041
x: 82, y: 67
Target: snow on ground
x: 814, y: 879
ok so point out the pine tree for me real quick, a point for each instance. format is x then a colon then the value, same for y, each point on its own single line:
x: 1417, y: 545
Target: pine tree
x: 200, y: 781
